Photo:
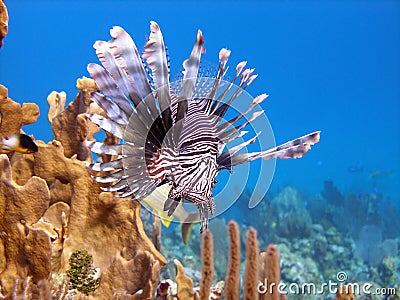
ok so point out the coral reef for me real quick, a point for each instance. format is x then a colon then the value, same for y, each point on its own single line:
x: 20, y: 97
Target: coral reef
x: 388, y: 269
x: 395, y: 295
x: 207, y: 258
x: 13, y: 115
x: 82, y: 275
x: 51, y: 209
x: 184, y: 283
x: 292, y: 217
x: 332, y: 193
x: 371, y: 248
x: 184, y: 288
x: 23, y: 249
x: 232, y: 278
x: 296, y: 268
x: 130, y: 277
x: 218, y: 229
x: 271, y: 271
x: 58, y: 209
x: 69, y: 125
x: 344, y: 292
x: 349, y: 213
x: 355, y: 233
x: 251, y: 270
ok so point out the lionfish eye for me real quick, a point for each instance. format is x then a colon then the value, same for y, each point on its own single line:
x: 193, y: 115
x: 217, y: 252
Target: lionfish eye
x: 202, y: 164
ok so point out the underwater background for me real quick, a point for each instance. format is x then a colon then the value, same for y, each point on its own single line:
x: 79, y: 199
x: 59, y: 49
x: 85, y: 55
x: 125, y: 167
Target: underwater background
x: 332, y: 66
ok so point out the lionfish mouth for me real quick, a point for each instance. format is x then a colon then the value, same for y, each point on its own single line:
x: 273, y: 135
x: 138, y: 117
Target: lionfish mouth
x: 142, y: 106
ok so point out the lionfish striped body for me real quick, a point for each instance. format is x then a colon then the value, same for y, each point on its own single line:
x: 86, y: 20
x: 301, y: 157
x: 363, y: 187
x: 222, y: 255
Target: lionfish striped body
x: 171, y: 133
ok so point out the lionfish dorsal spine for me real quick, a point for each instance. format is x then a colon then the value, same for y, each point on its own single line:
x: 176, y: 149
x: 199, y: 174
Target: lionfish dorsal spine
x: 156, y: 58
x: 126, y: 54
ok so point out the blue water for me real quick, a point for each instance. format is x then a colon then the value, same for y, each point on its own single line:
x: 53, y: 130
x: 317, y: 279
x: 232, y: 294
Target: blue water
x: 331, y: 66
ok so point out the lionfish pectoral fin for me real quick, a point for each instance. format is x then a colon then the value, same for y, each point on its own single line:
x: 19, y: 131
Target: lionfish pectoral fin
x: 171, y: 204
x: 211, y: 206
x: 187, y: 225
x: 203, y: 209
x: 293, y: 149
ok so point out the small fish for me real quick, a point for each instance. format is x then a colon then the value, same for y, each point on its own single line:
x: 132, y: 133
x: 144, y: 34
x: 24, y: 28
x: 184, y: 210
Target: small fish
x: 170, y: 132
x: 156, y: 201
x: 356, y: 168
x: 379, y: 174
x: 20, y: 143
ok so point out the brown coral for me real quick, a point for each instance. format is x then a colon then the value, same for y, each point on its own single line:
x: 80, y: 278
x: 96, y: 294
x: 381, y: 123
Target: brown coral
x: 52, y: 207
x: 13, y: 115
x: 251, y: 270
x: 69, y: 125
x: 24, y: 248
x: 271, y: 272
x: 124, y: 279
x: 109, y: 140
x: 232, y: 279
x: 231, y: 287
x: 344, y: 292
x: 96, y: 218
x: 56, y: 103
x: 207, y: 258
x: 185, y: 283
x: 3, y: 22
x: 22, y: 167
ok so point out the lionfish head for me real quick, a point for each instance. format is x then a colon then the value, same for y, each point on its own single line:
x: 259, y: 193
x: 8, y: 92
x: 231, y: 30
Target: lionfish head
x: 172, y: 132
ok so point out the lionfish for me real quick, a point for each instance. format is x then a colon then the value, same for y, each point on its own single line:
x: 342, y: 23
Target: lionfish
x: 171, y: 134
